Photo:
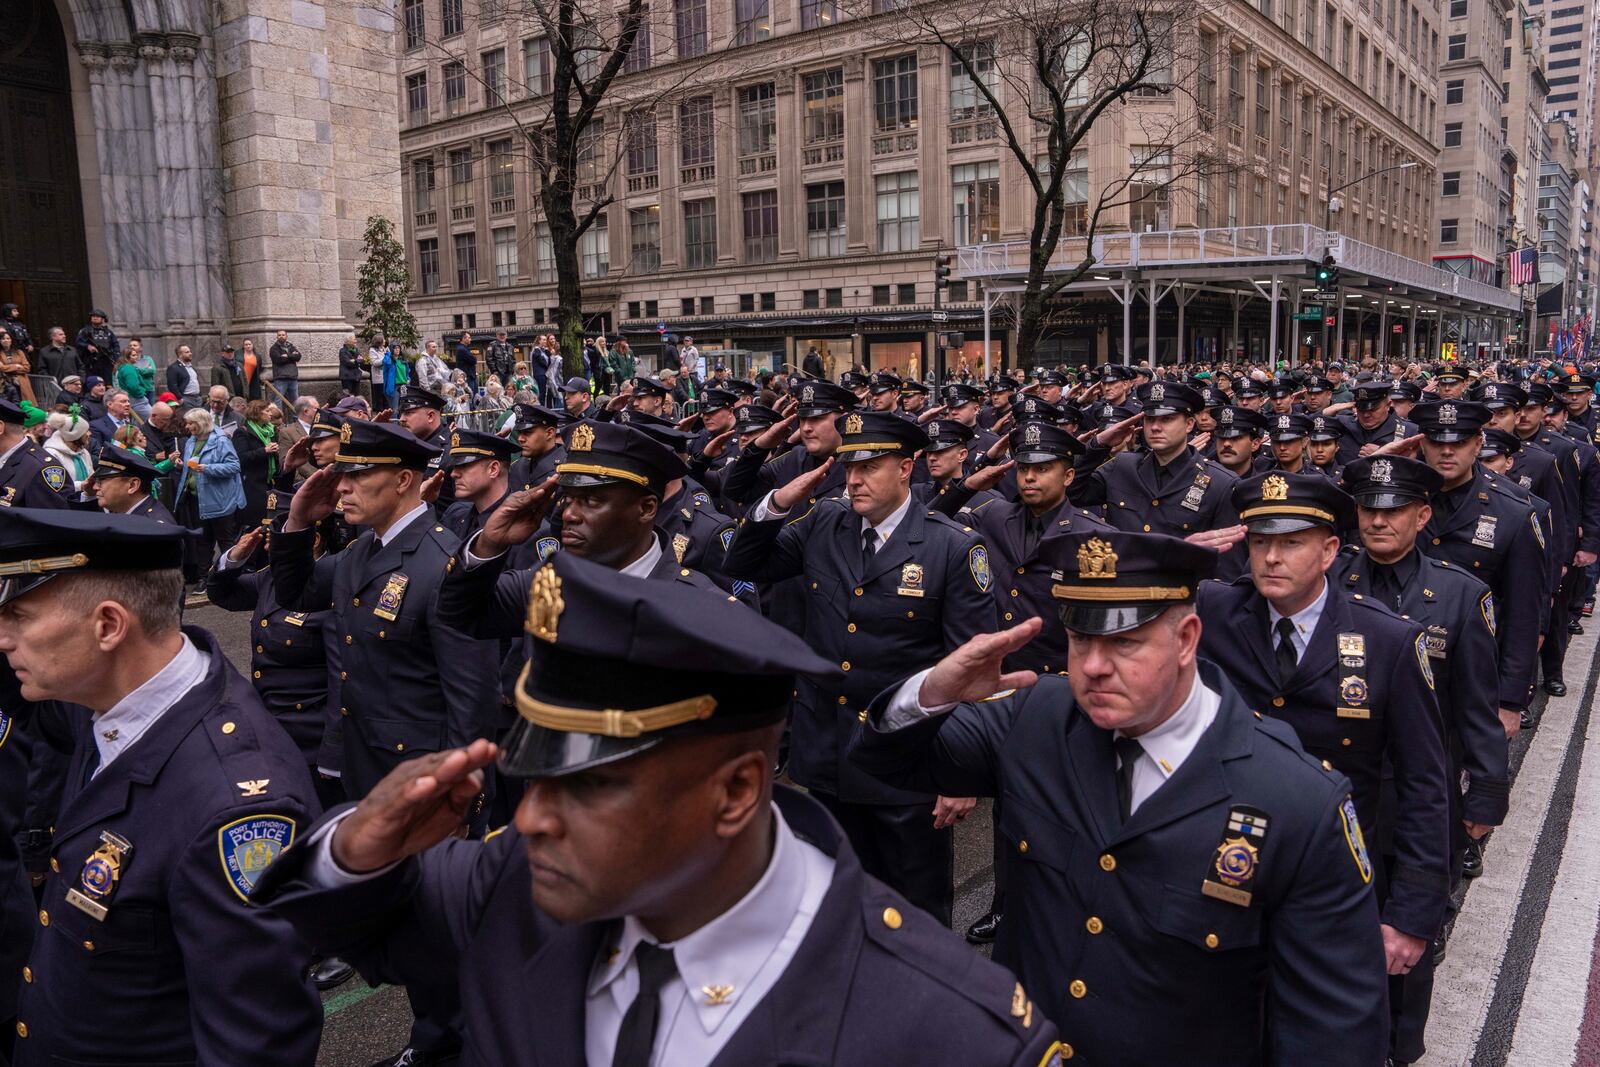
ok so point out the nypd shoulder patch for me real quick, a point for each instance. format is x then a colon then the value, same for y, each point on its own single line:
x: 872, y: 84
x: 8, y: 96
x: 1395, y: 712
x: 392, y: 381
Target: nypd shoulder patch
x: 727, y: 538
x: 1538, y: 531
x: 978, y: 564
x: 1486, y: 606
x: 547, y: 547
x: 1353, y: 838
x: 5, y: 727
x: 1421, y: 647
x: 248, y: 847
x: 55, y: 477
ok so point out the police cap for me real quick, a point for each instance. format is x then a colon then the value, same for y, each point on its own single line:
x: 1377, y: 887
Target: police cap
x: 945, y: 434
x: 1449, y: 372
x: 823, y: 398
x: 717, y: 400
x: 1248, y: 387
x: 1577, y: 383
x: 469, y: 446
x: 1054, y: 377
x: 620, y: 665
x: 365, y: 445
x: 1541, y: 394
x: 1445, y: 421
x: 1497, y: 395
x: 615, y: 453
x: 415, y: 396
x: 958, y: 394
x: 1390, y: 481
x: 1239, y: 422
x: 1034, y: 409
x: 1168, y: 398
x: 911, y: 385
x: 1371, y: 394
x: 531, y: 416
x: 36, y: 544
x: 644, y: 385
x: 1116, y: 372
x: 753, y: 418
x: 1278, y: 502
x: 1499, y: 443
x: 865, y: 435
x: 883, y: 382
x: 1043, y: 442
x: 1110, y: 582
x: 1326, y: 428
x: 1406, y: 391
x: 1288, y: 427
x: 119, y: 462
x: 326, y: 424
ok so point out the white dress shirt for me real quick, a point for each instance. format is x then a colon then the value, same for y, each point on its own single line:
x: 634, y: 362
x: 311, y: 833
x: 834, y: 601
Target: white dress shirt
x: 127, y: 720
x: 735, y: 959
x: 885, y: 529
x: 398, y: 527
x: 1165, y: 747
x: 639, y: 568
x: 1305, y: 622
x: 5, y: 456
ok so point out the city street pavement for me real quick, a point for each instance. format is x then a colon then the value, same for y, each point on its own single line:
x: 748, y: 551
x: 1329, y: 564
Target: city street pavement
x: 1520, y: 984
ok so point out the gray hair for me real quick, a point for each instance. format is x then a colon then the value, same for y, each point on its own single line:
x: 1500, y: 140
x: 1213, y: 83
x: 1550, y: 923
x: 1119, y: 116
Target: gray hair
x: 199, y: 418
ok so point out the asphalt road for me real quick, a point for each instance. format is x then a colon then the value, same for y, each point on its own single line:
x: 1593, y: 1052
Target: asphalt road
x: 1521, y: 982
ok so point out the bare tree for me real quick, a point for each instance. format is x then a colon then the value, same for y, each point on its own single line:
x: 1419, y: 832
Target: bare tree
x: 1042, y: 75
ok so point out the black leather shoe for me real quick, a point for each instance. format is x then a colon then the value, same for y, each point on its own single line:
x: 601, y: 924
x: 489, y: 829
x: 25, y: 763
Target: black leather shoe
x: 1472, y: 862
x: 984, y: 930
x: 331, y: 971
x: 1574, y: 627
x: 1525, y: 719
x: 1555, y: 687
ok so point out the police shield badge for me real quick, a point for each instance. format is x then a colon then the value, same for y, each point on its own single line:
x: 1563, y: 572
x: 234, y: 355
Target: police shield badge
x: 248, y: 846
x: 101, y: 873
x: 394, y: 592
x: 1237, y: 857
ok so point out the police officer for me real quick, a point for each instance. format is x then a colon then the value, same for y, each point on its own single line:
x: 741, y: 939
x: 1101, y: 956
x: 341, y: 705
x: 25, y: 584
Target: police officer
x: 718, y: 414
x: 710, y: 466
x: 1481, y: 526
x: 122, y: 481
x: 1352, y: 679
x: 29, y: 476
x: 946, y: 457
x: 686, y: 822
x: 1588, y: 546
x: 883, y: 391
x: 1450, y: 381
x: 1237, y: 440
x: 1165, y: 838
x: 1249, y: 393
x: 1373, y: 424
x: 913, y: 398
x: 962, y: 403
x: 539, y: 445
x: 762, y: 467
x: 478, y: 465
x: 1116, y: 383
x: 1577, y: 392
x: 1168, y: 489
x: 407, y: 684
x: 1404, y: 396
x: 1291, y: 436
x: 421, y: 412
x: 649, y: 395
x: 1456, y: 612
x: 1001, y: 393
x: 888, y: 587
x: 182, y: 790
x: 1051, y: 385
x: 1323, y: 445
x: 1318, y: 395
x: 1281, y: 396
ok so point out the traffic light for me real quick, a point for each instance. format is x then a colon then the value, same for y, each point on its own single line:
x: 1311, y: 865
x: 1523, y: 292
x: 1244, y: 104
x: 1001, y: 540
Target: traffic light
x: 941, y: 272
x: 952, y: 340
x: 1327, y: 272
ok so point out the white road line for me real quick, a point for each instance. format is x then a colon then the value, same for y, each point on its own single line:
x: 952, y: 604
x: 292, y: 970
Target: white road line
x: 1464, y: 984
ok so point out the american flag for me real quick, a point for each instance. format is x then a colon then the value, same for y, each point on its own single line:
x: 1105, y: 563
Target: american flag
x: 1521, y: 265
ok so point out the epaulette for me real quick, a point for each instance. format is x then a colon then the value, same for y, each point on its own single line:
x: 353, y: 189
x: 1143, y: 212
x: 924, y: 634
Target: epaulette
x: 1285, y: 735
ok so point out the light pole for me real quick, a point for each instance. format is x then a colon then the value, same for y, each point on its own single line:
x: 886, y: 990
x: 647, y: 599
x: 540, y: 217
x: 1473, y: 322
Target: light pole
x: 1333, y: 205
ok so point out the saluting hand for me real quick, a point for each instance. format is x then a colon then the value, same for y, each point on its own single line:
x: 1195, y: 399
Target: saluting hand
x: 316, y: 499
x: 433, y: 486
x: 988, y: 477
x: 777, y: 433
x: 1119, y: 432
x: 1406, y: 446
x: 1002, y: 425
x: 929, y: 414
x: 802, y: 488
x: 1220, y: 539
x: 1199, y: 441
x: 415, y: 806
x: 299, y: 454
x: 975, y: 671
x: 517, y: 519
x: 246, y: 545
x: 717, y: 445
x: 1001, y: 446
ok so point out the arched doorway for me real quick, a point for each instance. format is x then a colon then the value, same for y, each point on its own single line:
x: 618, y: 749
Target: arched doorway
x: 43, y: 264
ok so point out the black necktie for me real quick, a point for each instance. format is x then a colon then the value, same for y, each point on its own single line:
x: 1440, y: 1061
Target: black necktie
x: 1030, y: 534
x: 637, y: 1035
x: 869, y: 548
x: 1287, y: 659
x: 1386, y: 586
x: 1128, y: 751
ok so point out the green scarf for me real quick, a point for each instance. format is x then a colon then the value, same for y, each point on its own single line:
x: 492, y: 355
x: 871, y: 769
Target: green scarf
x: 266, y: 434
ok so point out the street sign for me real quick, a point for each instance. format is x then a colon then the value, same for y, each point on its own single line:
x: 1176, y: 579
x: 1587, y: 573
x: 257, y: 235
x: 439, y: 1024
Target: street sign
x: 941, y: 316
x: 1326, y: 296
x: 1314, y: 315
x: 1398, y: 327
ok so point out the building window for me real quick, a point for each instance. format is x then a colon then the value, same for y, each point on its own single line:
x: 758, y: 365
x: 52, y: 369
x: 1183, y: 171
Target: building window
x: 455, y: 87
x: 1452, y: 135
x: 591, y: 168
x: 1263, y: 105
x: 699, y: 234
x: 587, y: 51
x: 752, y: 21
x: 824, y: 102
x: 880, y: 295
x: 638, y: 57
x: 761, y: 226
x: 686, y: 305
x: 1458, y: 9
x: 696, y: 133
x: 536, y: 68
x: 1149, y: 188
x: 416, y: 25
x: 460, y: 176
x: 825, y: 220
x: 639, y: 130
x: 544, y: 254
x: 1450, y: 183
x: 689, y: 18
x: 594, y: 249
x: 899, y: 211
x: 422, y: 184
x: 1454, y: 91
x: 1456, y: 46
x: 907, y: 293
x: 1206, y: 78
x: 491, y: 11
x: 758, y: 119
x: 966, y: 97
x: 505, y: 256
x: 812, y: 298
x: 417, y: 97
x: 494, y: 77
x: 708, y: 304
x: 975, y: 197
x: 502, y: 176
x: 644, y: 239
x: 816, y: 13
x: 428, y: 265
x: 747, y: 302
x: 1236, y: 89
x: 1447, y: 231
x: 894, y: 93
x: 466, y: 261
x: 833, y: 298
x: 1075, y: 188
x: 450, y: 17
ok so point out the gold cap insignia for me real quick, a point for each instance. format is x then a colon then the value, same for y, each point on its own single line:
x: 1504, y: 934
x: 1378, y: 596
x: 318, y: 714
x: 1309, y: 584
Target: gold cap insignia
x: 1274, y: 488
x: 272, y: 501
x: 582, y: 438
x: 852, y: 424
x: 344, y: 433
x: 545, y: 604
x: 455, y: 440
x: 1096, y: 559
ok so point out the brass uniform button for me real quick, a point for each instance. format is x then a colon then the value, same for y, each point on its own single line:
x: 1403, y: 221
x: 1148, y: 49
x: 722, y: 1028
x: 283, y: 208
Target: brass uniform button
x: 850, y: 628
x: 1345, y: 742
x: 1022, y: 846
x: 256, y: 674
x: 1327, y: 766
x: 382, y: 633
x: 22, y: 1029
x: 355, y: 601
x: 399, y: 746
x: 862, y: 717
x: 858, y: 590
x: 1022, y: 570
x: 1435, y: 540
x: 1066, y: 1051
x: 891, y: 918
x: 228, y: 727
x: 44, y: 917
x: 684, y: 573
x: 1008, y: 616
x: 344, y: 711
x: 27, y: 975
x: 263, y: 624
x: 1014, y: 593
x: 1147, y: 527
x: 845, y: 665
x: 89, y: 945
x: 344, y: 675
x: 1094, y: 925
x: 1277, y: 702
x: 261, y: 648
x: 1212, y: 941
x: 55, y: 865
x: 1108, y: 862
x: 349, y: 640
x: 1078, y: 989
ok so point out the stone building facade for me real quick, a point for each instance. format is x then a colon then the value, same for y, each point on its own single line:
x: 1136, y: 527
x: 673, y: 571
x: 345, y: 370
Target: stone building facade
x: 219, y: 159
